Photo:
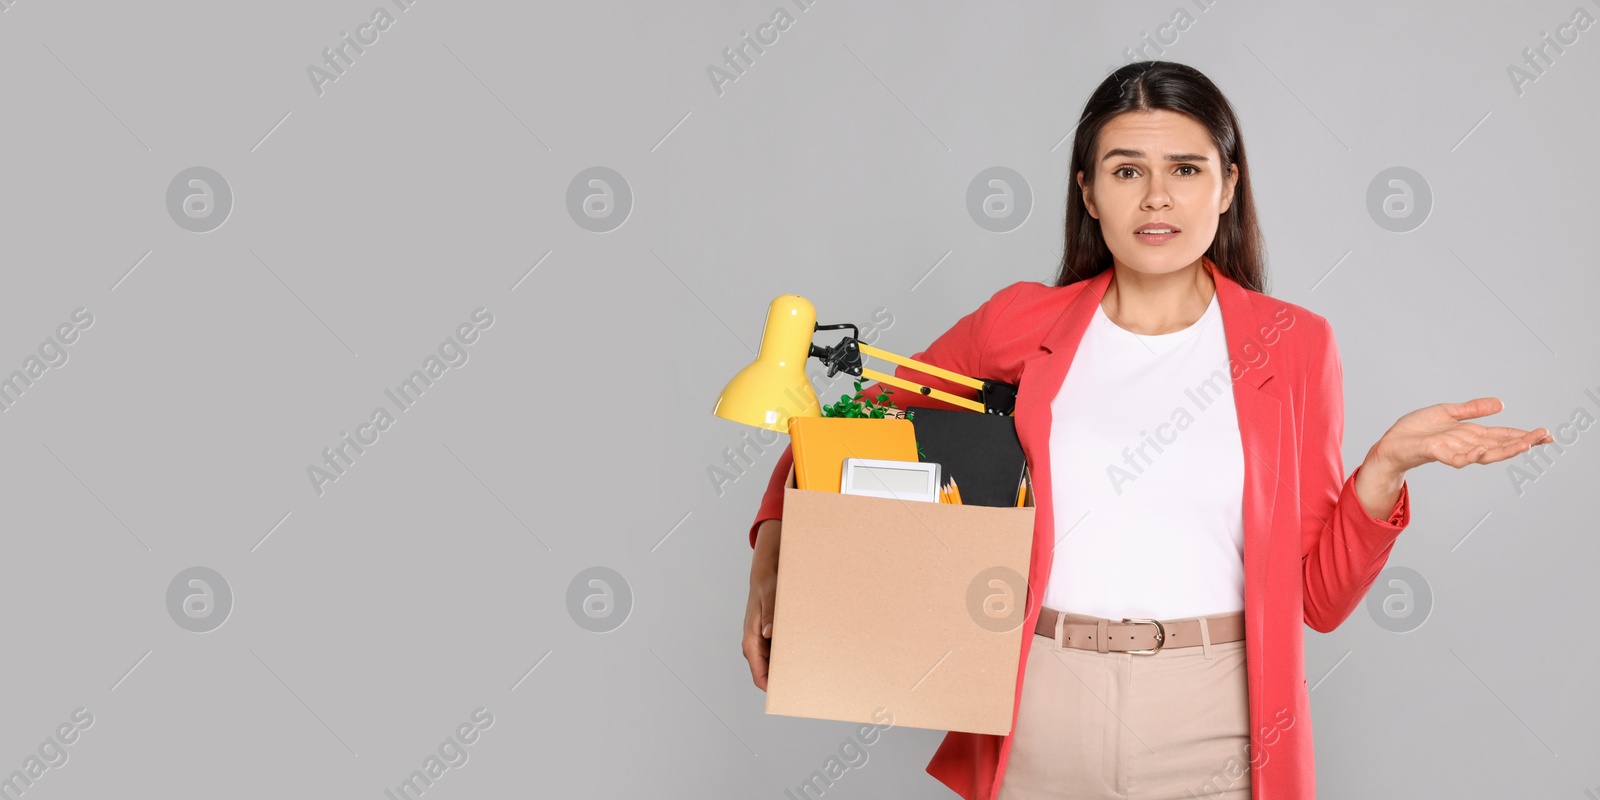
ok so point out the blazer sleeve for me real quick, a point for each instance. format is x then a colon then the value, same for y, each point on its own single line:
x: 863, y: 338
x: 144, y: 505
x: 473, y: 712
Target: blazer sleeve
x: 959, y: 349
x: 1342, y: 547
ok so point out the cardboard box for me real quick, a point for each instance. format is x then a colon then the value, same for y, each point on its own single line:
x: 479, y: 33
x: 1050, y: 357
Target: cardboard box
x: 913, y: 607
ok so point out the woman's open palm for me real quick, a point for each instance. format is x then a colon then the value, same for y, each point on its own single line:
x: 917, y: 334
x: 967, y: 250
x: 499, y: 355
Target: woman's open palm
x: 1442, y: 433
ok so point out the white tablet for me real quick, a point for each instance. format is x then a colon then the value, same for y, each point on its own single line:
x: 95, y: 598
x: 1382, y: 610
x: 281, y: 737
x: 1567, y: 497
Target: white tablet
x: 894, y: 480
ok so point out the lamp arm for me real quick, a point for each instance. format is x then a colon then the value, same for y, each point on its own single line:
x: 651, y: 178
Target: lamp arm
x: 994, y: 397
x: 916, y: 388
x: 927, y: 369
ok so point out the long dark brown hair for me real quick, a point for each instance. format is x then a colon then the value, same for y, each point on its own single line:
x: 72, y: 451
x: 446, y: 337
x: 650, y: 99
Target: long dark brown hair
x: 1238, y: 249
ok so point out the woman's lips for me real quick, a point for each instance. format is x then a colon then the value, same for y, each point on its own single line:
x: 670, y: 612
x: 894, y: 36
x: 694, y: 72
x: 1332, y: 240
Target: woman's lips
x: 1156, y: 238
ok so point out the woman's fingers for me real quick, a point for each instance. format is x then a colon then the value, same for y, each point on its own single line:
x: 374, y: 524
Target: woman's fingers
x: 757, y: 651
x: 1479, y: 407
x: 757, y: 643
x: 1489, y: 450
x: 1497, y: 432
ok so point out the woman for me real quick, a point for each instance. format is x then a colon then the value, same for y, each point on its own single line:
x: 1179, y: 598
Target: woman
x: 1166, y: 657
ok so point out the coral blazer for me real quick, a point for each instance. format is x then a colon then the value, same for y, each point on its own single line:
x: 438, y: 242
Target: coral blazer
x: 1310, y: 550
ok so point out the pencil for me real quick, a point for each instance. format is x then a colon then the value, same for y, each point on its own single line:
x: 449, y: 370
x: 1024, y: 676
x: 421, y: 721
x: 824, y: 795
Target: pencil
x: 955, y: 491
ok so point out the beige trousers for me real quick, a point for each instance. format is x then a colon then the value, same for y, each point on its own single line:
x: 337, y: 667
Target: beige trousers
x: 1132, y: 727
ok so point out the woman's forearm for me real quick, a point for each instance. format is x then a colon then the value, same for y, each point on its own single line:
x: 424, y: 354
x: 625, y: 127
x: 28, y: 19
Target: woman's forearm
x: 765, y: 559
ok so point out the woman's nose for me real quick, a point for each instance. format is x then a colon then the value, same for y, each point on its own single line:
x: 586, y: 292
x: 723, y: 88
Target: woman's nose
x: 1156, y: 195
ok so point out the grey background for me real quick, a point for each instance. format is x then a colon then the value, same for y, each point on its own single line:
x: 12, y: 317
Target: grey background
x: 432, y: 179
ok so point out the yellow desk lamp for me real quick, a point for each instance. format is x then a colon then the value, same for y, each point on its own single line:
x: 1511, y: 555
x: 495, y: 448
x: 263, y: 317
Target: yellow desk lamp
x: 775, y: 387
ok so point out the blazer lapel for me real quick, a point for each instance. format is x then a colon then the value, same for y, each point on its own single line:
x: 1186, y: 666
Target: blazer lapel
x: 1255, y: 396
x: 1258, y: 408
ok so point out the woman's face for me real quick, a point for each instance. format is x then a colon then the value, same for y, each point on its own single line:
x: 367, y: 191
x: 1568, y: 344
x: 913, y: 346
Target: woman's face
x: 1157, y: 167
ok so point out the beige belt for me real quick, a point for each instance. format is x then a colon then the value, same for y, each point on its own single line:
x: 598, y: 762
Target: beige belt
x: 1138, y: 635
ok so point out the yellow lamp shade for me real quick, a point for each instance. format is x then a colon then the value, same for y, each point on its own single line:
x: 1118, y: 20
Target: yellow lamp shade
x: 775, y: 387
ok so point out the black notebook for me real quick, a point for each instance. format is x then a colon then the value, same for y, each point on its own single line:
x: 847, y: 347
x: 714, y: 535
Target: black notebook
x: 981, y: 451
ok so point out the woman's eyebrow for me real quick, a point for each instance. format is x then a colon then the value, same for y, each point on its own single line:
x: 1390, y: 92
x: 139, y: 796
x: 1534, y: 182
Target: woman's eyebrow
x: 1126, y: 153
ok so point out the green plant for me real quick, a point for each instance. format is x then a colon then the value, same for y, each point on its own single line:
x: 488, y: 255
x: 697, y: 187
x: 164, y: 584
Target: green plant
x: 858, y: 406
x: 870, y: 408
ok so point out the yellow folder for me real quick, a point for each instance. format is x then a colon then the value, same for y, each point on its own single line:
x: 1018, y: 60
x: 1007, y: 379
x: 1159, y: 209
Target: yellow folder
x: 821, y: 444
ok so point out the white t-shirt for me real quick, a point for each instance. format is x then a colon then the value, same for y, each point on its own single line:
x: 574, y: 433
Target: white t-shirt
x: 1147, y: 475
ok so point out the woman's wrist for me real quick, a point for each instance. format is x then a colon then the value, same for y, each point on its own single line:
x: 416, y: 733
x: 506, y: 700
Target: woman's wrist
x: 1378, y: 485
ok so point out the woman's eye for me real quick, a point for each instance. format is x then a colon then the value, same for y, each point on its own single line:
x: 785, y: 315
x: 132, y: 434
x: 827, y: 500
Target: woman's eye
x: 1189, y: 167
x: 1120, y: 170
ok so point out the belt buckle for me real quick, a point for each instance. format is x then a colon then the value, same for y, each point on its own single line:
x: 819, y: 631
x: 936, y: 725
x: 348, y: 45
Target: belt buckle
x: 1161, y: 635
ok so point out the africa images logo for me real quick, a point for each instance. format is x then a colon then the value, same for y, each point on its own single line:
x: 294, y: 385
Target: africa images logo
x: 452, y: 354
